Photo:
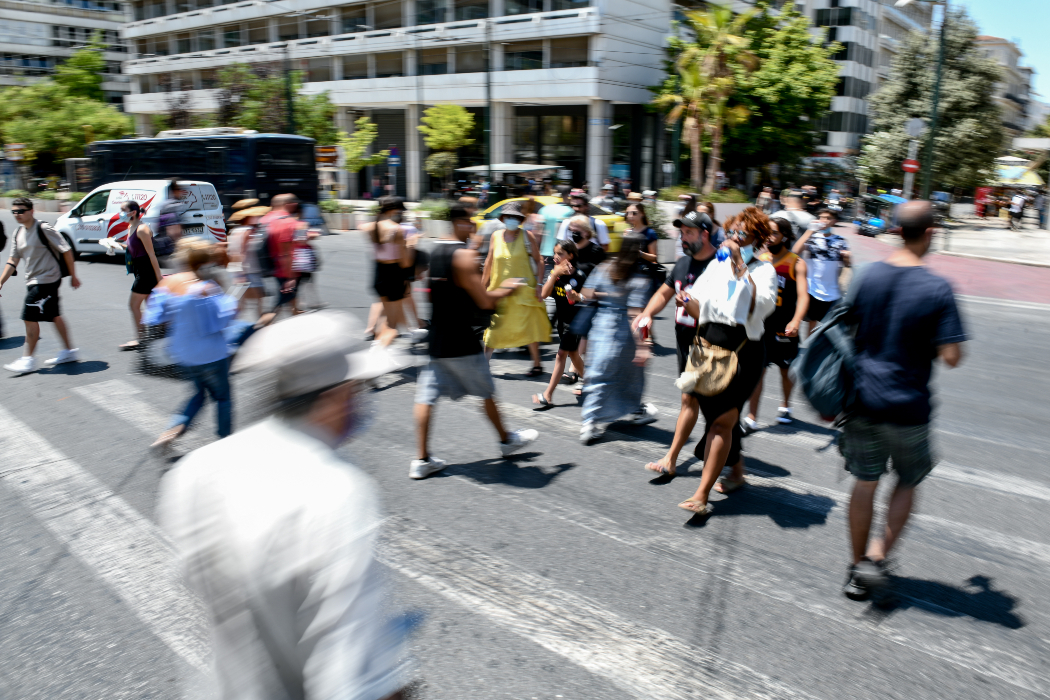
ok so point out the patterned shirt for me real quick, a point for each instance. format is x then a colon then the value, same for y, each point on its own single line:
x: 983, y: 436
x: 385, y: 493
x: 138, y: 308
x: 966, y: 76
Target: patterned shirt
x: 824, y: 257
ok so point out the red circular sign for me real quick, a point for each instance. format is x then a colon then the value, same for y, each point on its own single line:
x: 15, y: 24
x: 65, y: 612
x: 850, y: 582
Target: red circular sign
x: 910, y: 166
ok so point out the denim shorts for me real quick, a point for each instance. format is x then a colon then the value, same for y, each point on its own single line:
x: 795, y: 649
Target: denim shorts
x: 868, y: 446
x: 455, y: 377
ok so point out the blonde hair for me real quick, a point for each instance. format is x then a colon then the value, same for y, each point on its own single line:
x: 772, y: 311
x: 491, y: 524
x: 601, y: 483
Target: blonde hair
x: 192, y: 252
x: 583, y: 223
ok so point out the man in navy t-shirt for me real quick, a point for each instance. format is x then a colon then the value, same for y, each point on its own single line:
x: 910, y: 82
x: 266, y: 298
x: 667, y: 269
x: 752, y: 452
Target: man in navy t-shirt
x: 905, y: 318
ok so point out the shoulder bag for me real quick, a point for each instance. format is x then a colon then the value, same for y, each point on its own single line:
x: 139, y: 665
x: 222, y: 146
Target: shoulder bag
x: 709, y: 368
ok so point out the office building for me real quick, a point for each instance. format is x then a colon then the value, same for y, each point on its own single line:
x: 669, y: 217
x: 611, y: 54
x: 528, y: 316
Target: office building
x: 1012, y: 91
x: 567, y: 83
x: 35, y: 36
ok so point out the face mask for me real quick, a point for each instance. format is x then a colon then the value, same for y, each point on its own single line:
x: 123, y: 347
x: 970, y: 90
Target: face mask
x: 124, y: 215
x: 512, y: 224
x: 577, y: 237
x: 775, y: 248
x: 747, y: 252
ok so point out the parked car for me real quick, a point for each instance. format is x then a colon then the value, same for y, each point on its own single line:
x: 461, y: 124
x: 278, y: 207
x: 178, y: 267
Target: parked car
x: 97, y: 215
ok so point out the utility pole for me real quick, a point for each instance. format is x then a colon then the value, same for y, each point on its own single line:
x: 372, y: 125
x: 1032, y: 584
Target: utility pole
x: 927, y: 173
x: 488, y: 100
x: 288, y: 87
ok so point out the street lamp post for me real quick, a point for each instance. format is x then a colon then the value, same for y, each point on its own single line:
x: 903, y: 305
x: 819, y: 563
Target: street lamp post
x: 488, y: 99
x: 927, y: 168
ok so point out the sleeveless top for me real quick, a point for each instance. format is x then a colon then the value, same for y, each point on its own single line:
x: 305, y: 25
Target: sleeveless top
x: 135, y: 247
x: 453, y: 311
x: 787, y: 293
x: 387, y: 252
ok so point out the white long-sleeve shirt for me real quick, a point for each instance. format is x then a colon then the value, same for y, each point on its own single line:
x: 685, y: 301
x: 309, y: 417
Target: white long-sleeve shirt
x: 274, y: 531
x: 725, y: 299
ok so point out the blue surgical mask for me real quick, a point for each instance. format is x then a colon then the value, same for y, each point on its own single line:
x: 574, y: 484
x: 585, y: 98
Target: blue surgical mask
x: 124, y: 216
x: 746, y: 253
x: 512, y: 223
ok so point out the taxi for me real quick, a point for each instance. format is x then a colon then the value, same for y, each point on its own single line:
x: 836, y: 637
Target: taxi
x: 616, y: 223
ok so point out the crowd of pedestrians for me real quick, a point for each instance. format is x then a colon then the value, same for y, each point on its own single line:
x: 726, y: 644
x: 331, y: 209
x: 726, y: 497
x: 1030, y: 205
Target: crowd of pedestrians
x: 741, y: 290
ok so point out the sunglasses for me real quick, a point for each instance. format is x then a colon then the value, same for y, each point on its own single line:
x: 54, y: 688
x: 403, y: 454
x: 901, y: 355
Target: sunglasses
x: 738, y: 235
x: 16, y: 212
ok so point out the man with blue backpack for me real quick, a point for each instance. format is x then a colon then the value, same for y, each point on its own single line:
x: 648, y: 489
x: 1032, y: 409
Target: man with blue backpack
x: 905, y: 316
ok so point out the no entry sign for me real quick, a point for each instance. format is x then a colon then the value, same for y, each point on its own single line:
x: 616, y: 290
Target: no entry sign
x: 910, y: 166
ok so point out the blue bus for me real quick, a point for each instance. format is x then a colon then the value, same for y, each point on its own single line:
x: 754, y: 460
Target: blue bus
x: 240, y: 165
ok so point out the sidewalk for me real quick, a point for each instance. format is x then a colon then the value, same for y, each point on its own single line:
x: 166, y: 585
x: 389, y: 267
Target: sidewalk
x: 992, y: 239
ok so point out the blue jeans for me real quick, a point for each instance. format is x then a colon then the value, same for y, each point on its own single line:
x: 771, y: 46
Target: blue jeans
x: 213, y: 378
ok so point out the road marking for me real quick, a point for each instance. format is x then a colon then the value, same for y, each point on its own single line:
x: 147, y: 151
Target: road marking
x: 125, y: 550
x: 643, y: 661
x: 120, y: 398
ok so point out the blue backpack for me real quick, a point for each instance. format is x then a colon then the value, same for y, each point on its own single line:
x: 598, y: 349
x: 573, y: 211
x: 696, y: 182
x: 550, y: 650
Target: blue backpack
x: 825, y: 365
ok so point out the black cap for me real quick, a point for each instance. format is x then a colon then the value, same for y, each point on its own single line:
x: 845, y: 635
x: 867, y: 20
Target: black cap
x: 696, y: 219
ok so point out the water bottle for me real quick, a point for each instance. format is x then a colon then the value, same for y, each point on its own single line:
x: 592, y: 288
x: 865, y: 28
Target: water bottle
x: 722, y: 255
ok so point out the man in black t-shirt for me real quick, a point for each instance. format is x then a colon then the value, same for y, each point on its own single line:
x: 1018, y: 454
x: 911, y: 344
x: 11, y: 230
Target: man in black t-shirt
x: 696, y: 228
x: 905, y: 317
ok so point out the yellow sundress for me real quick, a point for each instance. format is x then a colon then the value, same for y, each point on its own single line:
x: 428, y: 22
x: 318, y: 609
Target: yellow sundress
x: 520, y: 318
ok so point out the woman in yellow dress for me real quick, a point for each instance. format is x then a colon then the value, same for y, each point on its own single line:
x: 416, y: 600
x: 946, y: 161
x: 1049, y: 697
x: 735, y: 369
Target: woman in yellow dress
x: 521, y: 318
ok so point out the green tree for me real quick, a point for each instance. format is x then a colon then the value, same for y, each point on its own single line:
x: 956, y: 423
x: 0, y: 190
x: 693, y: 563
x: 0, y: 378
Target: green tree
x: 969, y: 129
x: 684, y: 99
x: 315, y: 117
x: 445, y: 129
x: 81, y: 73
x: 46, y: 118
x: 355, y: 146
x: 256, y: 97
x: 788, y: 93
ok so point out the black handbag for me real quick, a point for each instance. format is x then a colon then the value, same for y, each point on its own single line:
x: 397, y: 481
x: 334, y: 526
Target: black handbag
x: 581, y: 322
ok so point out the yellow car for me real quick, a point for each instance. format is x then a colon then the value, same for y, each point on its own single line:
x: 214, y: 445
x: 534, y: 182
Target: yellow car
x: 614, y: 222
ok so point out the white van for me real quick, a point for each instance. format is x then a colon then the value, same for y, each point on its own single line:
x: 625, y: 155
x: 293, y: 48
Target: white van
x: 98, y: 214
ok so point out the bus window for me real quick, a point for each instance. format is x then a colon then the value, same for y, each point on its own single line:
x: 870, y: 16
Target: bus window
x: 215, y: 160
x: 236, y: 159
x: 285, y: 156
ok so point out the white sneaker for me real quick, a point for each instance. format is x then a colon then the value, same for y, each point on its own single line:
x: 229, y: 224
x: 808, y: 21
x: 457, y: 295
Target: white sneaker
x: 516, y: 440
x: 784, y: 415
x: 22, y: 365
x: 422, y: 468
x: 750, y: 426
x: 63, y: 357
x: 418, y: 335
x: 643, y: 416
x: 590, y: 432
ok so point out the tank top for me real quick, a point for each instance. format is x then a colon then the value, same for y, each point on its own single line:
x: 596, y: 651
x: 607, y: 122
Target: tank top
x: 135, y: 247
x: 787, y: 293
x: 453, y: 311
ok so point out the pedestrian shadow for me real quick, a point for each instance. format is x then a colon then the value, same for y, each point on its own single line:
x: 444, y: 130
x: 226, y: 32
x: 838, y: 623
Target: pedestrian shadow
x: 15, y: 341
x: 797, y: 427
x: 407, y: 376
x: 662, y: 350
x: 510, y: 471
x: 976, y: 599
x: 694, y: 468
x: 640, y: 432
x: 763, y: 468
x: 75, y: 368
x: 787, y: 509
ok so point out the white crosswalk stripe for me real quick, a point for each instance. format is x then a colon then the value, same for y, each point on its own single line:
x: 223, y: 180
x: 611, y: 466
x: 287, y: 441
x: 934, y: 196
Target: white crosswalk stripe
x: 126, y: 550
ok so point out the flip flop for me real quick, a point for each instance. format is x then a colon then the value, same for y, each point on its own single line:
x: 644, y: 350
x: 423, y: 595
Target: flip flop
x: 659, y: 469
x: 727, y: 486
x: 696, y: 507
x: 570, y: 378
x: 544, y: 404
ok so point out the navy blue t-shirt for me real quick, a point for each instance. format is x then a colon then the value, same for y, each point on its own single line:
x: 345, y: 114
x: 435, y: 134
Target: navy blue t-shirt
x: 902, y: 314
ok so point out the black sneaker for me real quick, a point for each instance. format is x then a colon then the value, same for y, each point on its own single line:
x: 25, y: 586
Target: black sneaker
x: 853, y: 589
x: 875, y: 576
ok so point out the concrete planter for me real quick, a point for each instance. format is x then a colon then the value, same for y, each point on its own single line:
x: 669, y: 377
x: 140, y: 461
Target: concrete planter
x: 436, y: 229
x: 361, y: 218
x: 5, y: 202
x: 665, y: 250
x: 339, y: 221
x: 49, y: 205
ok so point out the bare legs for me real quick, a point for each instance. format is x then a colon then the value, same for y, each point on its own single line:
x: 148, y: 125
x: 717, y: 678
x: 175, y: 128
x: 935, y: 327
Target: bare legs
x: 33, y: 335
x: 716, y: 451
x: 423, y: 412
x: 861, y: 513
x: 682, y: 430
x: 786, y: 385
x: 386, y: 329
x: 559, y: 368
x: 534, y: 352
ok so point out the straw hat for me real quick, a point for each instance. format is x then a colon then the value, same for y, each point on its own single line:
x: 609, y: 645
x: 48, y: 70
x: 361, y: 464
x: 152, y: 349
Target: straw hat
x: 251, y: 211
x: 244, y: 204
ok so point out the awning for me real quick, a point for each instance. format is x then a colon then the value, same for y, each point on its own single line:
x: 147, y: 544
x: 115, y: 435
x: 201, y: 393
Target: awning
x: 1018, y: 176
x: 507, y: 168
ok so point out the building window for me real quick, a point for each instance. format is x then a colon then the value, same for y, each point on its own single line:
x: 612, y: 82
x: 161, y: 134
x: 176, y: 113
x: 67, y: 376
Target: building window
x: 390, y: 65
x: 157, y: 8
x: 853, y: 87
x: 845, y: 17
x: 471, y: 9
x: 388, y: 15
x: 852, y: 51
x: 355, y: 67
x: 523, y: 55
x: 432, y: 61
x: 470, y: 59
x: 569, y: 4
x: 209, y: 79
x: 522, y: 7
x: 430, y: 11
x: 231, y: 36
x: 139, y: 11
x: 318, y: 70
x: 844, y: 121
x: 182, y: 43
x: 353, y: 20
x: 318, y: 25
x: 185, y: 5
x: 288, y: 28
x: 205, y: 39
x: 569, y: 53
x: 259, y: 32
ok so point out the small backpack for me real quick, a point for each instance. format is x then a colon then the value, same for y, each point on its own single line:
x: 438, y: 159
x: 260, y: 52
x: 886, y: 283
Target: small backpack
x: 259, y: 244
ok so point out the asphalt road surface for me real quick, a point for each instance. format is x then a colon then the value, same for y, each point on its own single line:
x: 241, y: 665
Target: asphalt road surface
x: 564, y: 571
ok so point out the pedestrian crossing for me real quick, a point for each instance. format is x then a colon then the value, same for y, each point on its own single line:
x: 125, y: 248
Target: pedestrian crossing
x: 130, y: 555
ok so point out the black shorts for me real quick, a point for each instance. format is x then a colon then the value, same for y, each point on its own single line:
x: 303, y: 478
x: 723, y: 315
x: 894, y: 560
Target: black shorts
x: 570, y: 342
x: 684, y: 337
x: 42, y: 302
x: 284, y: 297
x: 390, y: 281
x: 818, y: 309
x: 780, y: 350
x: 145, y: 277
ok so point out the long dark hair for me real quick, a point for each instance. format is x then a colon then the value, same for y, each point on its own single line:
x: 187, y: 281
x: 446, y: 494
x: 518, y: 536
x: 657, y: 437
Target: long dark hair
x: 569, y: 248
x: 641, y: 210
x: 711, y: 211
x: 626, y: 260
x: 690, y: 204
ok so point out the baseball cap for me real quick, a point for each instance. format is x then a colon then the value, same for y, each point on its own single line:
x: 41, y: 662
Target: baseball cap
x: 696, y: 219
x: 311, y: 352
x: 608, y: 187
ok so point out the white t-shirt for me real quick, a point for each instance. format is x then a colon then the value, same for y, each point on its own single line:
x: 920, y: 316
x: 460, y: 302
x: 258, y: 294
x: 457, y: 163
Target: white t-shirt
x: 1017, y: 203
x: 725, y: 299
x: 800, y: 220
x: 600, y: 230
x: 824, y: 251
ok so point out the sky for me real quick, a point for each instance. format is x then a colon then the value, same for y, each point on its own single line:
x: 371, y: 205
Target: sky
x: 1023, y: 21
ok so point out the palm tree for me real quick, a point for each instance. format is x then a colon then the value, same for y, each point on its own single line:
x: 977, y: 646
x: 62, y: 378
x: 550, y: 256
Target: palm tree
x: 718, y: 53
x: 689, y: 104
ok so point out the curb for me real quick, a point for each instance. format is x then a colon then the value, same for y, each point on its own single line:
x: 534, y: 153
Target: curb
x: 1012, y: 261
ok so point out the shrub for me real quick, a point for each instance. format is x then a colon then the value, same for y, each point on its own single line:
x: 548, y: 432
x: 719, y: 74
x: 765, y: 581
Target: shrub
x: 730, y: 196
x: 77, y: 196
x: 670, y: 194
x: 332, y: 206
x: 47, y: 195
x: 12, y: 194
